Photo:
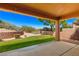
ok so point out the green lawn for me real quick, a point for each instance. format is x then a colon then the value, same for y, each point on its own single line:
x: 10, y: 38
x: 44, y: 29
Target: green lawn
x: 19, y: 43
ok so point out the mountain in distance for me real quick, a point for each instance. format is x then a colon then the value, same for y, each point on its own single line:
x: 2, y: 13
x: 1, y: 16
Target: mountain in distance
x: 7, y: 25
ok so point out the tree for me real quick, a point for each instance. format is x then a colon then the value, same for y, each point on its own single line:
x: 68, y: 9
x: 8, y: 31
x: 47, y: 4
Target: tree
x: 48, y: 22
x: 63, y: 23
x: 51, y: 23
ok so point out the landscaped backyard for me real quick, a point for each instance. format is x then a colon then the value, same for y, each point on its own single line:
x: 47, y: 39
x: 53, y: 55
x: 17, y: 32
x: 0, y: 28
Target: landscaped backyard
x: 24, y: 42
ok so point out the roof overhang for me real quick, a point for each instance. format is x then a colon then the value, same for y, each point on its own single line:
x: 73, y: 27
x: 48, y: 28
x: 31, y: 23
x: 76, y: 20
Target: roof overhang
x: 46, y: 10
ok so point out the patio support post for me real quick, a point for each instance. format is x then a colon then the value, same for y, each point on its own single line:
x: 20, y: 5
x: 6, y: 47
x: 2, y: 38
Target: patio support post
x: 57, y: 26
x: 57, y: 30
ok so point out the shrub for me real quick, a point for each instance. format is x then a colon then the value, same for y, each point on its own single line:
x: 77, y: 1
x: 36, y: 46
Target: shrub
x: 17, y: 36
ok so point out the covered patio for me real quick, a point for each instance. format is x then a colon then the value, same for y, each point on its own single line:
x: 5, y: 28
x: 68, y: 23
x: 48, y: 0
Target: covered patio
x: 52, y: 11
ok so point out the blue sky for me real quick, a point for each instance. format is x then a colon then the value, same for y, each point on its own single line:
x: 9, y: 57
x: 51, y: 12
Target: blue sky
x: 19, y: 20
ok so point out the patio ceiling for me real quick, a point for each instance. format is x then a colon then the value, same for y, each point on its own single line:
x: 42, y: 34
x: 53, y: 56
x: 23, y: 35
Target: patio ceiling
x: 46, y: 10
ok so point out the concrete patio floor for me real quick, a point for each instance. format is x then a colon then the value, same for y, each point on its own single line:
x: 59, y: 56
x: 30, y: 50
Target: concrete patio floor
x: 55, y: 48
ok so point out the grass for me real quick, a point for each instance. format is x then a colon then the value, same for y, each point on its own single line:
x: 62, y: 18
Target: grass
x: 19, y: 43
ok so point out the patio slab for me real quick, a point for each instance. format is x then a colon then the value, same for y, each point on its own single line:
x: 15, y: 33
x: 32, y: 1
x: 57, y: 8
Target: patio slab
x: 73, y: 52
x: 55, y: 48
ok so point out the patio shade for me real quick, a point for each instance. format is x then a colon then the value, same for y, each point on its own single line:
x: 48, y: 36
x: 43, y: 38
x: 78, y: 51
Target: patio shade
x: 45, y: 10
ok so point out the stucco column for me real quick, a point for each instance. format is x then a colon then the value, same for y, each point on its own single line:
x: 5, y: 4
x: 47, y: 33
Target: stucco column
x: 57, y: 30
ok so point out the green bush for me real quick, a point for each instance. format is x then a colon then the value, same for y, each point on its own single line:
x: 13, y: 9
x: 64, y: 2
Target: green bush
x: 17, y: 36
x: 61, y: 29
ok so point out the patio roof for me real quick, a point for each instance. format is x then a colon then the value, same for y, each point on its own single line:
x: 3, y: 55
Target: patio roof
x: 45, y: 10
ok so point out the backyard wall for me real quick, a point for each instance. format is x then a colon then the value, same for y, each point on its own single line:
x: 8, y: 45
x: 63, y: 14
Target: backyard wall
x: 5, y: 35
x: 46, y: 32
